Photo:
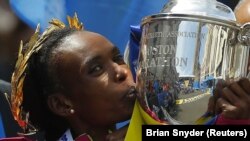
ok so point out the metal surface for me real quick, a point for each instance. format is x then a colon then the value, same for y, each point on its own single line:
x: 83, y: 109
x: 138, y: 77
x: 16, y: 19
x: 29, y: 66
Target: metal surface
x: 181, y: 58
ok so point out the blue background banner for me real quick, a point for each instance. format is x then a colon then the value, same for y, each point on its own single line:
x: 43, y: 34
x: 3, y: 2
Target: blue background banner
x: 111, y: 18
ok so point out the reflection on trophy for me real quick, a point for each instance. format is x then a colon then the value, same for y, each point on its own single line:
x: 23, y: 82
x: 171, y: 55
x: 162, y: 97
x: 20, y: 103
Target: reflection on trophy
x: 242, y: 11
x: 242, y: 14
x: 184, y: 51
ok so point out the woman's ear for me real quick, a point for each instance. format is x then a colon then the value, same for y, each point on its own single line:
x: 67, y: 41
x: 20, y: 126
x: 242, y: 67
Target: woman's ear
x: 60, y: 105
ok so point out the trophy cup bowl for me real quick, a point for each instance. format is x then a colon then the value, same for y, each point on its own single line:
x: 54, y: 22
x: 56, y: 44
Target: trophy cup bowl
x: 185, y: 49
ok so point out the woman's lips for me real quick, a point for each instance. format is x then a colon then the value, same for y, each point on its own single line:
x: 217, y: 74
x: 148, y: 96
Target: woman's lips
x: 131, y: 93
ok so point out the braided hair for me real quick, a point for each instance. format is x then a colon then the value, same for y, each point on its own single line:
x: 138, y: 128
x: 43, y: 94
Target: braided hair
x: 41, y: 81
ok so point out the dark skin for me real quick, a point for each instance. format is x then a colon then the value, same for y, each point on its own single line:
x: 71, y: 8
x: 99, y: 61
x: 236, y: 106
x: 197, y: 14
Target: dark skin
x: 97, y: 85
x: 234, y: 102
x: 231, y: 99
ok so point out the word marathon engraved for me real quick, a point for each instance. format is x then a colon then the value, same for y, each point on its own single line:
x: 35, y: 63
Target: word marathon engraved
x: 163, y: 56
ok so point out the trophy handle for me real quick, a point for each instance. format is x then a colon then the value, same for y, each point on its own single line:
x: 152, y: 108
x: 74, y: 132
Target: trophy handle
x: 244, y: 34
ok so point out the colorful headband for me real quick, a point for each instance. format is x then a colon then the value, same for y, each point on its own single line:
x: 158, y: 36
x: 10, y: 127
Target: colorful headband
x: 18, y: 76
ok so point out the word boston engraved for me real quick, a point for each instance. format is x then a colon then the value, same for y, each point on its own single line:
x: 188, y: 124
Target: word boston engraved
x: 163, y: 55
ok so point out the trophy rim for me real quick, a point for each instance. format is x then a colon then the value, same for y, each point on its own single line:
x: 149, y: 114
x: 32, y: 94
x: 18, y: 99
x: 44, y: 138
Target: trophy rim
x: 189, y: 17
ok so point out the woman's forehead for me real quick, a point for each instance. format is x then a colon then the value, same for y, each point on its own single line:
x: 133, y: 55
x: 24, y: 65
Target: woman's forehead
x: 85, y: 39
x: 84, y: 44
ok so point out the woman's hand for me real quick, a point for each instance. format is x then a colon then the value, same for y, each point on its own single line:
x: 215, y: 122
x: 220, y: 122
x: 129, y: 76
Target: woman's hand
x: 234, y: 101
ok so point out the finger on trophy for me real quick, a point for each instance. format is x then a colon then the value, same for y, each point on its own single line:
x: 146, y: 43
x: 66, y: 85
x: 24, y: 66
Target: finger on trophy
x: 245, y: 84
x: 226, y: 109
x: 220, y: 105
x: 218, y: 88
x: 230, y: 96
x: 237, y: 89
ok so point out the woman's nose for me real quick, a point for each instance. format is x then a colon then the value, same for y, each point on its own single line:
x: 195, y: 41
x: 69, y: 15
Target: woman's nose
x: 121, y: 73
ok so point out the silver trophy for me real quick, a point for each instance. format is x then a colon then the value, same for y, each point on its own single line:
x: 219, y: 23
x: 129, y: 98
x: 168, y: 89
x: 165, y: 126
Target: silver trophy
x: 185, y: 49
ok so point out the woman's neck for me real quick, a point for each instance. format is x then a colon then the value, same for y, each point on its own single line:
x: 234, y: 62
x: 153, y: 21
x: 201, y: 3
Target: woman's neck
x: 96, y: 133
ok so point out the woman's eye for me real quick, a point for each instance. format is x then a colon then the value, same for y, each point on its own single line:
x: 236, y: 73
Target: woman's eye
x: 118, y: 59
x: 96, y: 69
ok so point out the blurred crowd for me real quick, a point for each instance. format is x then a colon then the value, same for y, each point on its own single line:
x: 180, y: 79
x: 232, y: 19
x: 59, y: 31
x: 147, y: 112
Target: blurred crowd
x: 12, y: 30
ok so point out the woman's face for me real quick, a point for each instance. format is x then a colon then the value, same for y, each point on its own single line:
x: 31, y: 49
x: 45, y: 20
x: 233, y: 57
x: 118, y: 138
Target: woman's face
x: 99, y: 84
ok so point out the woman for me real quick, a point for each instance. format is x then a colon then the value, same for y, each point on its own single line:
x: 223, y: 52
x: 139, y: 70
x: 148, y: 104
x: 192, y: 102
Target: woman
x: 75, y: 81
